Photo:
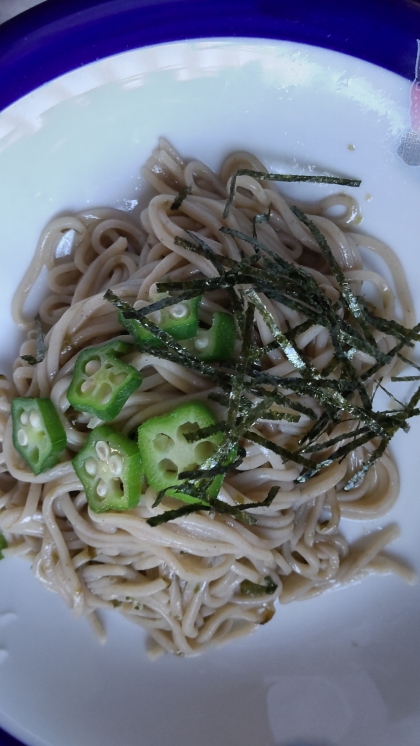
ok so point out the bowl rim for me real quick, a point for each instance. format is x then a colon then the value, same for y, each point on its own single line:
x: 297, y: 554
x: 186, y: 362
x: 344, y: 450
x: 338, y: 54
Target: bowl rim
x: 54, y: 38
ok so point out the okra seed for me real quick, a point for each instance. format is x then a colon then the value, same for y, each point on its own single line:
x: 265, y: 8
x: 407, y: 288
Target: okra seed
x: 92, y: 367
x: 102, y: 488
x: 116, y: 465
x: 180, y: 311
x: 87, y: 387
x: 204, y: 450
x: 169, y: 468
x: 91, y: 466
x: 24, y: 419
x: 22, y: 438
x: 163, y: 442
x: 102, y: 449
x: 201, y: 341
x: 120, y: 379
x: 35, y: 419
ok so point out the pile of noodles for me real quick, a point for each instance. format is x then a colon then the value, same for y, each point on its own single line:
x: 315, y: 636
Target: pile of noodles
x: 181, y: 581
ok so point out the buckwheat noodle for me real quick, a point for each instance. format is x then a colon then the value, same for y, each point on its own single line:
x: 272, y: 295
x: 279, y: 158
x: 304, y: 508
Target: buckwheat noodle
x: 181, y: 580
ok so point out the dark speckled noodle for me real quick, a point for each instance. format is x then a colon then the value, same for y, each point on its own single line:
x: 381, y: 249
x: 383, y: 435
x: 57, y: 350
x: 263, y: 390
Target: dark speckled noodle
x: 203, y: 579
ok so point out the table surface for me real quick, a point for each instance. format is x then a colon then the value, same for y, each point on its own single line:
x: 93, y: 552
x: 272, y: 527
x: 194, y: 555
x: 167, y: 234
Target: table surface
x: 10, y: 8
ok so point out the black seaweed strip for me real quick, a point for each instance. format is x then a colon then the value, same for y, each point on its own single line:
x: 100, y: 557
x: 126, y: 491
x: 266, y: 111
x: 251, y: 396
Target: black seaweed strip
x: 288, y: 348
x: 29, y: 359
x: 405, y: 378
x: 369, y: 372
x: 348, y: 335
x: 276, y: 398
x: 315, y: 447
x: 295, y: 280
x: 278, y: 416
x: 307, y: 290
x: 130, y: 312
x: 316, y: 430
x: 329, y: 397
x: 189, y: 487
x: 299, y: 329
x: 237, y: 309
x: 305, y: 286
x: 260, y: 175
x: 223, y: 379
x: 256, y: 412
x: 220, y: 258
x: 414, y: 399
x: 238, y: 380
x: 394, y: 328
x: 259, y: 352
x: 352, y: 302
x: 182, y: 194
x: 284, y: 400
x: 291, y: 270
x: 265, y: 503
x: 357, y: 478
x: 390, y: 395
x: 279, y: 450
x: 173, y: 352
x: 217, y: 505
x: 171, y: 515
x: 351, y: 338
x: 204, y: 432
x: 235, y: 512
x: 307, y: 385
x: 338, y: 454
x: 302, y: 284
x: 406, y: 360
x: 330, y: 367
x: 189, y: 289
x: 347, y: 367
x: 262, y: 218
x: 291, y: 302
x: 303, y: 281
x: 214, y: 471
x: 206, y: 251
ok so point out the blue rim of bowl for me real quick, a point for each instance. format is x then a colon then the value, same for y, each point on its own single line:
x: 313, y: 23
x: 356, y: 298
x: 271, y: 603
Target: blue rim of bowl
x: 56, y: 37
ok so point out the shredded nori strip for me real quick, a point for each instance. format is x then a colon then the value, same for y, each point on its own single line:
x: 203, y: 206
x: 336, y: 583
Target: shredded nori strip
x: 237, y: 511
x: 263, y: 218
x: 262, y: 176
x: 214, y: 471
x: 250, y: 394
x: 405, y: 378
x: 182, y: 194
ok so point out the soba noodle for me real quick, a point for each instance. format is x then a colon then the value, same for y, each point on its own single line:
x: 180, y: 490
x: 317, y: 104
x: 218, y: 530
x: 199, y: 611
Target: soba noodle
x: 181, y: 581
